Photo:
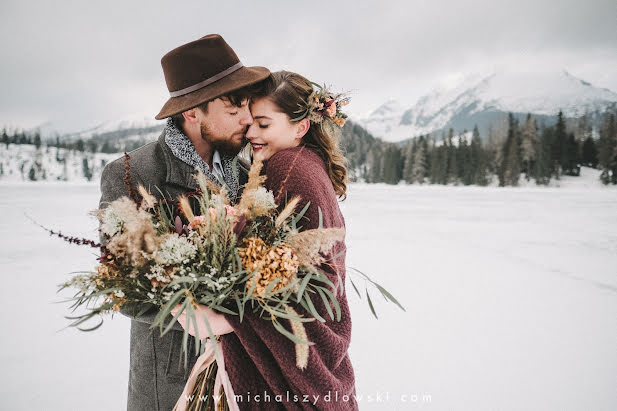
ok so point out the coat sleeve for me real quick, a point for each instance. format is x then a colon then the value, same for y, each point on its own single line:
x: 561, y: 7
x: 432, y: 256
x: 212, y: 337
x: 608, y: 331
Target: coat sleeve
x: 328, y: 367
x: 113, y: 188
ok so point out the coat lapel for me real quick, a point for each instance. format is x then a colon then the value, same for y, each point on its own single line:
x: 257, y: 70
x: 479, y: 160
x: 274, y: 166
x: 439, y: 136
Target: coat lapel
x: 178, y: 172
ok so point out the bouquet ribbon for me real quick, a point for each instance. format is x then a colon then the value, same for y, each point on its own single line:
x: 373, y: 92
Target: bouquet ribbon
x: 222, y: 379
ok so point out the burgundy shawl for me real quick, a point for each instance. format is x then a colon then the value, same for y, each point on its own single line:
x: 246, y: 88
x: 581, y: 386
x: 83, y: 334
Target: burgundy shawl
x: 260, y: 361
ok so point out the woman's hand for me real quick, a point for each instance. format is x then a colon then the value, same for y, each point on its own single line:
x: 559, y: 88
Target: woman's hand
x: 218, y: 322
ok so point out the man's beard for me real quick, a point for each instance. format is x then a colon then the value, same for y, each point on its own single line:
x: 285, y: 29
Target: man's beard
x: 223, y: 144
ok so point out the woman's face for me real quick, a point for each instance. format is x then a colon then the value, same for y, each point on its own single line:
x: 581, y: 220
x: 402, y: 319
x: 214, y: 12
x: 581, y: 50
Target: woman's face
x: 272, y: 130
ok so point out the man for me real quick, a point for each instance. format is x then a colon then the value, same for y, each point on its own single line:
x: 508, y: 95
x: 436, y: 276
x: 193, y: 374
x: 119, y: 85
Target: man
x: 208, y: 116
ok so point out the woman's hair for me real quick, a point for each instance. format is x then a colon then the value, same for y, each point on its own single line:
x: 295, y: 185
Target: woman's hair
x: 290, y: 92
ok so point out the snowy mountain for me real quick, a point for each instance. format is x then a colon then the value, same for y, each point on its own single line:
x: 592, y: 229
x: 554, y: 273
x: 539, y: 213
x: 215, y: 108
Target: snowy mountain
x: 139, y: 122
x: 485, y: 99
x: 382, y: 121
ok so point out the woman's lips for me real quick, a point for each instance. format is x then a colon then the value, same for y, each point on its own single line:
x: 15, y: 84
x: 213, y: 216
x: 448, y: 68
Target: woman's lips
x: 257, y: 147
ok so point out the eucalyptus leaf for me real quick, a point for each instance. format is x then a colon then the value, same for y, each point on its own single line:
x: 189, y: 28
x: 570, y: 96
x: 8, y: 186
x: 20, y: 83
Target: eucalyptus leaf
x: 389, y: 296
x: 370, y: 304
x: 312, y: 309
x: 91, y: 328
x: 355, y: 288
x: 335, y: 302
x: 303, y: 284
x: 326, y: 303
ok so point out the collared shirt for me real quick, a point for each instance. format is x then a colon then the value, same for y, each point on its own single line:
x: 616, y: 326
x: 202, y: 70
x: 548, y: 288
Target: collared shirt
x: 217, y: 166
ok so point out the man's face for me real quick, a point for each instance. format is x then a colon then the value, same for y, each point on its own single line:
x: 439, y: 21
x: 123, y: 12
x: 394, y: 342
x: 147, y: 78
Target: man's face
x: 225, y: 125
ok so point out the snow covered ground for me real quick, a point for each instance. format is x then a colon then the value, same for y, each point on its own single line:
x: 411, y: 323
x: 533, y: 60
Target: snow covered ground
x: 511, y: 298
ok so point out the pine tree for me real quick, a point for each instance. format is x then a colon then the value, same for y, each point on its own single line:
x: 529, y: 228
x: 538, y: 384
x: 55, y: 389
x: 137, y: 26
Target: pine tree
x: 375, y: 161
x: 428, y: 145
x: 607, y: 150
x: 589, y: 153
x: 571, y: 157
x: 443, y: 158
x: 559, y: 143
x: 392, y: 164
x: 32, y: 173
x: 583, y: 128
x: 452, y: 167
x: 79, y: 145
x: 5, y: 138
x: 513, y: 154
x: 494, y: 153
x: 465, y: 173
x: 37, y: 140
x: 408, y: 161
x: 435, y: 173
x: 542, y: 169
x: 419, y: 163
x: 477, y: 159
x: 87, y: 171
x: 529, y: 143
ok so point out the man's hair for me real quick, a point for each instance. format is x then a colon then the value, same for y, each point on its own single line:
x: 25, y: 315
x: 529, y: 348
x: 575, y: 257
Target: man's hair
x: 236, y: 98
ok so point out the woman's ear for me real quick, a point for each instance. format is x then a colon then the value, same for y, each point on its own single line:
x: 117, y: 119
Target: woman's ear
x: 302, y: 127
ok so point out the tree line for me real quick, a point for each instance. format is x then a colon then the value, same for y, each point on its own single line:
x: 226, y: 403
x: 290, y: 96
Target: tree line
x: 512, y: 150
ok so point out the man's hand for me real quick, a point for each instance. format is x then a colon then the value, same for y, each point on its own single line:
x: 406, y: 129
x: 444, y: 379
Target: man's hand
x: 218, y: 322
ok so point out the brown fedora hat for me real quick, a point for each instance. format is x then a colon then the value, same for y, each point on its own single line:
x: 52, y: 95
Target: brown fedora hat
x: 203, y: 70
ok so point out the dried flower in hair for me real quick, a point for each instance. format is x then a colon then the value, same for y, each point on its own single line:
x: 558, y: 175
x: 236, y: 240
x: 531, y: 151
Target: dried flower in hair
x: 323, y: 104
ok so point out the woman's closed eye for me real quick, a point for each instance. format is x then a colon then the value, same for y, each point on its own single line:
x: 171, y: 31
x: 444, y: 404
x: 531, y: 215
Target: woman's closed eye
x: 264, y: 125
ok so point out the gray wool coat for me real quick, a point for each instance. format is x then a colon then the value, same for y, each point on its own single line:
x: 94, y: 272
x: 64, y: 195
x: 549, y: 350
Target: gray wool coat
x: 157, y: 374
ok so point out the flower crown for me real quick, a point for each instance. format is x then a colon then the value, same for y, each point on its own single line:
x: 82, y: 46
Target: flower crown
x: 323, y: 104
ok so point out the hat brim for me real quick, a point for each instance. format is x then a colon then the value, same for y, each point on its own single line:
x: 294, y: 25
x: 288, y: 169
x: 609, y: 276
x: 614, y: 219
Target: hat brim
x: 243, y: 77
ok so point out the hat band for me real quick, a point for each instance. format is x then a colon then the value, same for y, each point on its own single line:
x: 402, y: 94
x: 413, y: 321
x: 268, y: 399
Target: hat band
x: 207, y: 81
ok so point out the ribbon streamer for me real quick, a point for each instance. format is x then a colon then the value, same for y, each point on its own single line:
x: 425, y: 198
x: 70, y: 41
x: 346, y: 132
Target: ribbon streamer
x: 222, y: 379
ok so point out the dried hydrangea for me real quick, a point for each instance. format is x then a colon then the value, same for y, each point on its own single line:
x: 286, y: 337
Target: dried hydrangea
x: 269, y: 264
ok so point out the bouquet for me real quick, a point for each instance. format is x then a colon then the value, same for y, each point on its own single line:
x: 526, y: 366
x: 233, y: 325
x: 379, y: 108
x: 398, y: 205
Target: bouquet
x: 202, y: 250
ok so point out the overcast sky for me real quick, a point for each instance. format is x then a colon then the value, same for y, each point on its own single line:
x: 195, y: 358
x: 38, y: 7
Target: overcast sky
x: 78, y: 63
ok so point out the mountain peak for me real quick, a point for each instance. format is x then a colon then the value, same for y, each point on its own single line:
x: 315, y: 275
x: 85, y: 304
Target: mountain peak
x: 458, y: 100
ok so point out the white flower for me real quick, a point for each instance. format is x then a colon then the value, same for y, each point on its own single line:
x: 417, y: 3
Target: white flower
x: 175, y: 250
x: 167, y: 295
x: 264, y: 198
x: 112, y: 223
x: 83, y: 282
x: 119, y: 293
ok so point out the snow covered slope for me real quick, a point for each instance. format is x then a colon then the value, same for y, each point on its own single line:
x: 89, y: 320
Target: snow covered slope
x: 24, y: 162
x: 481, y: 99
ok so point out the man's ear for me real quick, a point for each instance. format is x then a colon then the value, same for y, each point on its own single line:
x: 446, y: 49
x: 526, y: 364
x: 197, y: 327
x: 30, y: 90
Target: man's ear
x: 190, y: 116
x: 302, y: 127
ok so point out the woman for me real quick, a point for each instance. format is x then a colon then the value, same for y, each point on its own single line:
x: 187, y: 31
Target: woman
x: 301, y: 157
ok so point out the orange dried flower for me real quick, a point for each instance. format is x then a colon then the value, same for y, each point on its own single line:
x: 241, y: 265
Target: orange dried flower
x: 269, y: 263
